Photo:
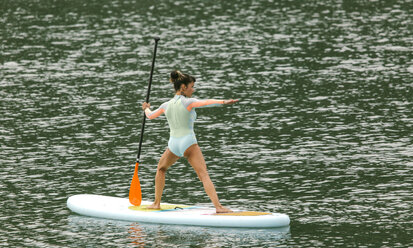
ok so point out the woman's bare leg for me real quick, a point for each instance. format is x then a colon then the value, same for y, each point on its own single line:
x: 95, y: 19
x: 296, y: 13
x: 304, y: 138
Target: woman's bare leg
x: 167, y: 159
x: 197, y: 161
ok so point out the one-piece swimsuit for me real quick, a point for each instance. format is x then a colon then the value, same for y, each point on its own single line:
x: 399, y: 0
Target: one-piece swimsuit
x: 181, y: 115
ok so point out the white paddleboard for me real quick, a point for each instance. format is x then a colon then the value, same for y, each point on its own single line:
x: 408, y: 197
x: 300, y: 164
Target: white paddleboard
x: 120, y: 209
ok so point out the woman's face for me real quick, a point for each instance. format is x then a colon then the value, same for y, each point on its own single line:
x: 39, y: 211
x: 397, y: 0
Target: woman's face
x: 188, y: 90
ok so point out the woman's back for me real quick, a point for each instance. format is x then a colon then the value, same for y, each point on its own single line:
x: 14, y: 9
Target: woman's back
x: 180, y: 120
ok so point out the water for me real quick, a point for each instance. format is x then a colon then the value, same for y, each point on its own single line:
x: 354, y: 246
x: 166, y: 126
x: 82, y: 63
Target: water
x: 323, y: 131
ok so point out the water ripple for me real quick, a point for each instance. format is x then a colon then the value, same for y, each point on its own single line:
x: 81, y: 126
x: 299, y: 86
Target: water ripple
x: 322, y: 131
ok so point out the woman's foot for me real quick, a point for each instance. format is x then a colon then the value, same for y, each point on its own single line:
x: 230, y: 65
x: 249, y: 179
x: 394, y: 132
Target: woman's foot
x: 221, y: 210
x: 154, y: 206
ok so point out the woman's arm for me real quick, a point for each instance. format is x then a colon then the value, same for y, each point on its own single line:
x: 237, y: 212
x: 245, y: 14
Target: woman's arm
x: 153, y: 114
x: 195, y: 103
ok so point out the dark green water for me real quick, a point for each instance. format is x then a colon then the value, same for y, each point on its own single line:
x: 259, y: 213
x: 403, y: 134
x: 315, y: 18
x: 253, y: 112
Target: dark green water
x: 323, y: 131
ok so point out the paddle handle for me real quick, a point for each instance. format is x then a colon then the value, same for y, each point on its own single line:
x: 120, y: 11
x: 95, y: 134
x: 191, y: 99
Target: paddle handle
x: 147, y: 100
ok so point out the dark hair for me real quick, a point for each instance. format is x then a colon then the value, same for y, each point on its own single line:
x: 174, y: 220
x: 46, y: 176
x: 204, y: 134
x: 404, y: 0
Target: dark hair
x: 178, y: 78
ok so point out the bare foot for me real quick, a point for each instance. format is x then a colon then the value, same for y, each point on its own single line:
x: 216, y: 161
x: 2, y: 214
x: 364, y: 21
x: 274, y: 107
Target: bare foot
x: 221, y: 210
x: 154, y: 206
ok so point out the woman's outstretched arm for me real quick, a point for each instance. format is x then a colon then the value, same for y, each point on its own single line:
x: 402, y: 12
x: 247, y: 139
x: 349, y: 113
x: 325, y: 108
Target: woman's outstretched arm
x: 195, y: 103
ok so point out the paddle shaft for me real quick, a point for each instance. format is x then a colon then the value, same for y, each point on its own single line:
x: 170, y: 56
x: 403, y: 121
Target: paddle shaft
x: 147, y: 100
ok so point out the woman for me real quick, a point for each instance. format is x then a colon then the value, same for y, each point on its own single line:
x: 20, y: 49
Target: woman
x: 180, y: 113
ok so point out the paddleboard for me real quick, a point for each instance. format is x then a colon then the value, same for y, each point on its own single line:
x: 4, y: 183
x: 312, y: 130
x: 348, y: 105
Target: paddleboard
x: 178, y: 214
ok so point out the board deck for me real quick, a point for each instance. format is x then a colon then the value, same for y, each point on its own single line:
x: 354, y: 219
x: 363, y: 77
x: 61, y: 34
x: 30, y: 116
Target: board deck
x: 120, y: 209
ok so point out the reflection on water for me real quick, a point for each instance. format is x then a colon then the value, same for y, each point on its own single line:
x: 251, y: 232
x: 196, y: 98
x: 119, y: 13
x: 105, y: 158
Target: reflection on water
x: 144, y: 235
x: 322, y: 131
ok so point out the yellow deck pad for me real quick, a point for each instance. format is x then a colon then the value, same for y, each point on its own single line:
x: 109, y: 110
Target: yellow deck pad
x: 163, y: 208
x: 245, y: 213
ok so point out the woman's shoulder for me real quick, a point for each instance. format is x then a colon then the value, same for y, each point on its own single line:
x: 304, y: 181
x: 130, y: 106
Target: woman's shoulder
x: 164, y: 105
x: 187, y: 101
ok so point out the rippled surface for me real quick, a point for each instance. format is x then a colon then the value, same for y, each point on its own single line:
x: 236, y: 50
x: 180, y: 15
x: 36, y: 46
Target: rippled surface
x: 323, y: 131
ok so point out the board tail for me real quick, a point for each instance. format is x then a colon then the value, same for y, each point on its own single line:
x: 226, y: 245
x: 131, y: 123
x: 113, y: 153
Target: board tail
x: 244, y: 213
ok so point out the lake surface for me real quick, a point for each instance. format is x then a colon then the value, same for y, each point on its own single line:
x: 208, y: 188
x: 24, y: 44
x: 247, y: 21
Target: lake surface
x: 322, y: 132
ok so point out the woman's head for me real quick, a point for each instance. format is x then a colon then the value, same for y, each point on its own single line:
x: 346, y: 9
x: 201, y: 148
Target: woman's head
x: 182, y: 82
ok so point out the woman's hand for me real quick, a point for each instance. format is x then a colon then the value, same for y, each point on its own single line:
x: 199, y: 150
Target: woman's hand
x: 232, y: 101
x: 145, y: 105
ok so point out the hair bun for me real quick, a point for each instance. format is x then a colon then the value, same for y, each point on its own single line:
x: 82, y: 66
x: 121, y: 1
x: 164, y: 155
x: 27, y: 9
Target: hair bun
x: 175, y: 75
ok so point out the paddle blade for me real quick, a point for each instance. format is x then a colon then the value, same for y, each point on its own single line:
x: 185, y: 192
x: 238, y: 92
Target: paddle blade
x: 135, y: 193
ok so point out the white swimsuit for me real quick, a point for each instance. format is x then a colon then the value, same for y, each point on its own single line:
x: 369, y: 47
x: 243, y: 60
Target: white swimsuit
x: 181, y: 115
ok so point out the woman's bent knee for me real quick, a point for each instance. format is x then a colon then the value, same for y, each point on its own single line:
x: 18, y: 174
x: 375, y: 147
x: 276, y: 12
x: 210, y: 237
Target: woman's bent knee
x: 161, y: 170
x: 167, y: 159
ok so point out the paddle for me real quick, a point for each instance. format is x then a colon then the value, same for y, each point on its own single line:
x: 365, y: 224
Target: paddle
x: 135, y: 193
